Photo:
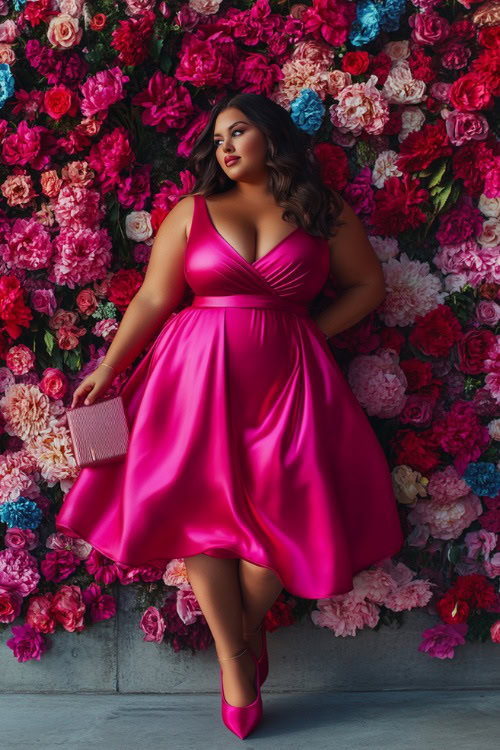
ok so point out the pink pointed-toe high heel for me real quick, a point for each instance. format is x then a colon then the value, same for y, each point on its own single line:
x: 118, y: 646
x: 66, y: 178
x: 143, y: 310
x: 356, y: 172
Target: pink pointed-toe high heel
x: 263, y: 660
x: 242, y: 719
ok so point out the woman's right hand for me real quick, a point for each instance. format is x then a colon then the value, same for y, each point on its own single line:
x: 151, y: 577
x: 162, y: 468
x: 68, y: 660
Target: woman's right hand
x: 93, y: 385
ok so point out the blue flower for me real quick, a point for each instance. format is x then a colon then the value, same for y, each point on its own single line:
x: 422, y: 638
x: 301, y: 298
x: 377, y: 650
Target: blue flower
x: 372, y: 16
x: 19, y: 4
x: 22, y: 513
x: 483, y: 478
x: 6, y: 83
x: 307, y: 111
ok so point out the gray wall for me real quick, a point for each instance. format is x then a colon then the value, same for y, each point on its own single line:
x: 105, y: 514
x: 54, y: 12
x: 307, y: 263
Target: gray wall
x: 112, y: 657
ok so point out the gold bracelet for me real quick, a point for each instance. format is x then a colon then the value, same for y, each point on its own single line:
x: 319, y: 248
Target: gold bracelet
x: 112, y: 368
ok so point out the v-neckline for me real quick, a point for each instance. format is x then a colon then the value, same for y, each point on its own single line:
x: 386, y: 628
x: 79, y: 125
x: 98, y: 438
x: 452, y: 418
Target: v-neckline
x: 257, y: 260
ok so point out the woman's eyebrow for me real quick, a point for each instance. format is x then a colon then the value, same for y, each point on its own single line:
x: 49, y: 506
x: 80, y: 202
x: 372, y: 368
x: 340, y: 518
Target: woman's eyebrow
x: 234, y: 123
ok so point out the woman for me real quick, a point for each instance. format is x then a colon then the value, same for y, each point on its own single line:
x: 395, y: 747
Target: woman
x: 246, y: 441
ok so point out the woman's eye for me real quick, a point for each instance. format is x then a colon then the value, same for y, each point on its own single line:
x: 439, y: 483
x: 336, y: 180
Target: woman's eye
x: 216, y: 142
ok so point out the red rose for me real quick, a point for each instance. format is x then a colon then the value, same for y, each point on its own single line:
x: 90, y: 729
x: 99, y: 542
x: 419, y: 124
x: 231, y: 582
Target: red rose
x: 355, y: 62
x: 419, y: 450
x: 436, y: 332
x: 473, y: 349
x: 469, y: 93
x: 123, y: 287
x: 489, y: 37
x: 98, y: 22
x: 417, y: 373
x: 60, y: 101
x: 475, y: 589
x: 54, y: 383
x: 380, y: 66
x: 421, y: 147
x: 451, y: 609
x: 390, y: 338
x: 333, y: 164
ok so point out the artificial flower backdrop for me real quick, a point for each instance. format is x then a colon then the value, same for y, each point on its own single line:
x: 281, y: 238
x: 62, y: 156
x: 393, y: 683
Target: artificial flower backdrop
x: 100, y: 104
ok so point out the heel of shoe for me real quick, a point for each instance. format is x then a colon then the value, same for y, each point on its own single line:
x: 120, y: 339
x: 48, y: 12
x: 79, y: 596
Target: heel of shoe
x: 242, y: 719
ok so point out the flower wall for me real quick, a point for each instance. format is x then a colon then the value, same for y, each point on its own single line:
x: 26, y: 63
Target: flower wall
x: 100, y: 104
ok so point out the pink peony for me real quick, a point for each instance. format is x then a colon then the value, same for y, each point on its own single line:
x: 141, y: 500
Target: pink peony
x: 440, y: 641
x: 410, y: 596
x: 101, y: 606
x: 102, y: 90
x: 26, y: 643
x: 77, y: 207
x: 59, y: 564
x: 28, y: 245
x: 18, y: 571
x: 378, y: 383
x: 361, y: 107
x: 108, y: 157
x: 446, y: 521
x: 81, y: 255
x: 344, y: 614
x: 188, y: 607
x: 166, y: 104
x: 411, y: 290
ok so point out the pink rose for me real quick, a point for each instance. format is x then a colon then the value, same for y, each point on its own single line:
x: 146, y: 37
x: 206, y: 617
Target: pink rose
x: 38, y: 614
x: 44, y: 301
x: 488, y: 312
x: 470, y: 93
x: 473, y: 349
x: 465, y: 126
x: 54, y: 383
x: 9, y: 32
x: 68, y: 608
x: 20, y: 538
x: 429, y: 28
x: 86, y: 302
x: 10, y: 604
x: 153, y: 625
x: 418, y: 410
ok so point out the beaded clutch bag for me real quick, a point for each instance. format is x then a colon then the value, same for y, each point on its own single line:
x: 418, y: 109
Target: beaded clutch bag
x: 99, y: 432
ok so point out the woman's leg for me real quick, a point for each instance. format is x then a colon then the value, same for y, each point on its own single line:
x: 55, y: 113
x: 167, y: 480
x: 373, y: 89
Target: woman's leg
x: 260, y: 587
x: 215, y: 583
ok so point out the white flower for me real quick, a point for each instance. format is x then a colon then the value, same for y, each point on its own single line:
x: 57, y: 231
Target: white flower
x: 410, y: 291
x: 138, y: 226
x: 400, y: 86
x: 384, y: 167
x: 489, y: 206
x: 412, y: 119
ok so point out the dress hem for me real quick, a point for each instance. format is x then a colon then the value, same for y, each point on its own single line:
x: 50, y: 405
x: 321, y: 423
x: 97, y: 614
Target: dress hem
x: 237, y: 555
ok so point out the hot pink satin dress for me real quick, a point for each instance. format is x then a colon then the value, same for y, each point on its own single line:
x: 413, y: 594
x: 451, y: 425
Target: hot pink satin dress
x: 246, y: 440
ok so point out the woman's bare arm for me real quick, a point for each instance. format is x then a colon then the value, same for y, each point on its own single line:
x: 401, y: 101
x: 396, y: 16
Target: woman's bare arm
x: 358, y: 271
x: 161, y: 291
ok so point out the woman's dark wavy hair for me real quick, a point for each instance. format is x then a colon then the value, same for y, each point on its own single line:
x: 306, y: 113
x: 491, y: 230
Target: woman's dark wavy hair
x: 295, y: 177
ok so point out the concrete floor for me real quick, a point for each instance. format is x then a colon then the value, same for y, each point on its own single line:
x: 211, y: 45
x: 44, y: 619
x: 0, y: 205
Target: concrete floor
x: 381, y: 720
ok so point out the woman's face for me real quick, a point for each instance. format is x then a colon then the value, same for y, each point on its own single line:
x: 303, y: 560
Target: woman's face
x: 234, y: 135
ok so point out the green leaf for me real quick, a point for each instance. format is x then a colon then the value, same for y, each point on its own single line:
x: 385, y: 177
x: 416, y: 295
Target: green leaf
x: 49, y: 340
x: 438, y: 174
x: 439, y: 201
x: 72, y: 359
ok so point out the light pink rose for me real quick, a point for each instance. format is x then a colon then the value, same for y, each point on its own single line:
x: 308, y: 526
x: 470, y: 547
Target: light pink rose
x: 465, y: 126
x: 7, y: 54
x: 64, y: 31
x: 9, y: 31
x: 38, y: 614
x: 488, y: 313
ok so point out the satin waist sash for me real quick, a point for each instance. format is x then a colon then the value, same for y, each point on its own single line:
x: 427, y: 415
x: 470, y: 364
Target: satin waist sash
x: 251, y: 300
